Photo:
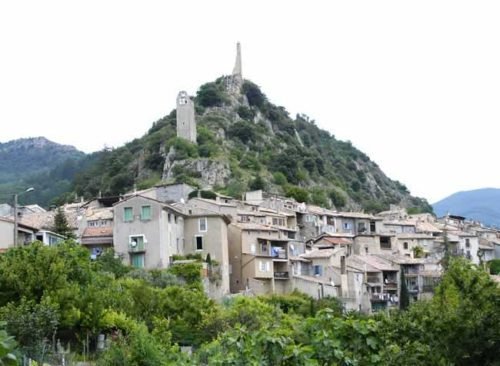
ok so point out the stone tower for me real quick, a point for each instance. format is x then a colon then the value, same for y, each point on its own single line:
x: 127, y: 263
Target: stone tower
x: 237, y: 74
x: 186, y: 124
x: 235, y: 80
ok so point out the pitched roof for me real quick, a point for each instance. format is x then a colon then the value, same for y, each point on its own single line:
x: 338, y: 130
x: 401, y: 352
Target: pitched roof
x: 162, y: 204
x: 253, y: 226
x: 358, y: 215
x: 19, y: 223
x: 375, y: 262
x: 98, y: 231
x: 401, y: 259
x: 334, y: 240
x: 321, y: 253
x: 414, y: 236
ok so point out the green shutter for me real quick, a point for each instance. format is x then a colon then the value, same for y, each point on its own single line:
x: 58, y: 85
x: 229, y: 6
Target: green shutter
x: 128, y: 214
x: 146, y: 213
x: 137, y: 260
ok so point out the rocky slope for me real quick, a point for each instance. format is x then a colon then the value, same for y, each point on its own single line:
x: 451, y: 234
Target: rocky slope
x: 246, y: 142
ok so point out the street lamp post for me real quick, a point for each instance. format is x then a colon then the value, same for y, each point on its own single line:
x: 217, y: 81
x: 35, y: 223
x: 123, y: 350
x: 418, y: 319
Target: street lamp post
x: 31, y: 189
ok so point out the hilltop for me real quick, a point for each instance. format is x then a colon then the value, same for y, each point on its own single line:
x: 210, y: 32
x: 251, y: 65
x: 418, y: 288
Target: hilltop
x: 245, y: 142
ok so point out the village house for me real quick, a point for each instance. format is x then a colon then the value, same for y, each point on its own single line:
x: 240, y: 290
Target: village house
x: 206, y: 233
x: 411, y: 244
x: 25, y: 234
x: 147, y: 232
x: 259, y: 257
x: 380, y: 286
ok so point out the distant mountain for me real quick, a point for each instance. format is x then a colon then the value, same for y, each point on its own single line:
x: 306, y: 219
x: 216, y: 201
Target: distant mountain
x: 480, y: 204
x: 47, y: 166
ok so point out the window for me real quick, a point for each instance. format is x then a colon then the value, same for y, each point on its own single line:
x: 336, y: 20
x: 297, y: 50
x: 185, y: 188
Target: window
x: 146, y: 213
x: 202, y: 223
x: 278, y: 221
x: 136, y: 242
x: 405, y: 245
x: 467, y: 243
x: 361, y: 227
x: 128, y: 214
x: 199, y: 242
x: 347, y: 226
x: 264, y: 266
x: 137, y: 260
x: 385, y: 242
x: 318, y: 270
x: 169, y: 218
x: 372, y: 226
x: 310, y: 218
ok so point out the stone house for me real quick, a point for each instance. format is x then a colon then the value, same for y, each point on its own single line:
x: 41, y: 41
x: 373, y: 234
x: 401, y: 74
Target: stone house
x: 399, y: 227
x: 380, y: 283
x: 25, y: 234
x: 147, y: 232
x: 206, y: 233
x: 357, y: 223
x: 407, y: 242
x: 259, y: 257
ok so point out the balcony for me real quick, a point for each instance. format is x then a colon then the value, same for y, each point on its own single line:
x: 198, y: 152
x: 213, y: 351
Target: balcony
x: 373, y: 279
x: 281, y: 275
x: 390, y: 285
x: 278, y: 253
x: 136, y: 247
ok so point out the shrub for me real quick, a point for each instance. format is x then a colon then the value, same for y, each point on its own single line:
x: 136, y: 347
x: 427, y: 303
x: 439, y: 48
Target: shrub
x: 242, y: 130
x: 337, y: 197
x: 246, y: 113
x: 299, y: 194
x: 279, y: 178
x: 254, y: 95
x: 494, y: 266
x: 211, y: 95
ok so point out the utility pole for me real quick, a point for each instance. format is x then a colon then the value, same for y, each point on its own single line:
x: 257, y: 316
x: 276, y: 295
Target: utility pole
x: 31, y: 189
x: 15, y: 220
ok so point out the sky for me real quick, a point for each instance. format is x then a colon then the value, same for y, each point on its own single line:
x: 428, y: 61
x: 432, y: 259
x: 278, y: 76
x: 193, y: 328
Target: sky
x: 414, y: 85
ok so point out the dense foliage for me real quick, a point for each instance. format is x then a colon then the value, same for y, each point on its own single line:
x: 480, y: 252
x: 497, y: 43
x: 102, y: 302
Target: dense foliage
x: 39, y: 163
x: 261, y: 144
x: 57, y: 295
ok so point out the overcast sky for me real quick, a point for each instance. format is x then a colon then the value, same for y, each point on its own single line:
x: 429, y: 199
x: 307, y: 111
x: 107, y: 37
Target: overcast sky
x: 414, y: 85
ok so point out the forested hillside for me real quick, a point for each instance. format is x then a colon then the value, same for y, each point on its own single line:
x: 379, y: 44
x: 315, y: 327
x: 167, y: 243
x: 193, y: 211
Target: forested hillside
x: 245, y: 142
x: 37, y: 162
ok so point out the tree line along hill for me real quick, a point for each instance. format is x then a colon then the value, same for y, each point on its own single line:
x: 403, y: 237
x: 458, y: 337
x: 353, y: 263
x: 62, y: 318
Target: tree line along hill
x: 248, y: 143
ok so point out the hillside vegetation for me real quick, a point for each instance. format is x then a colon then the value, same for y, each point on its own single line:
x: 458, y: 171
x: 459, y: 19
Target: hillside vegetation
x: 53, y: 297
x: 37, y: 162
x: 251, y: 144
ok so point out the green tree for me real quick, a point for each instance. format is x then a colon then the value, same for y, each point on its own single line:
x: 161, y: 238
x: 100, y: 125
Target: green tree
x: 404, y: 296
x: 7, y: 348
x: 61, y: 225
x: 254, y: 95
x: 211, y: 95
x: 299, y: 194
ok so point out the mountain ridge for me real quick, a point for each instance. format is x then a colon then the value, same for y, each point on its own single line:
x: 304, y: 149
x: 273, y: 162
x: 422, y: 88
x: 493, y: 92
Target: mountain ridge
x: 482, y: 204
x: 37, y: 162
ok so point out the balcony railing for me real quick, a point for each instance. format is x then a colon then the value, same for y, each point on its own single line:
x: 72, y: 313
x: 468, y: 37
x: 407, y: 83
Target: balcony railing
x: 281, y: 275
x: 136, y: 247
x: 278, y: 253
x: 373, y: 279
